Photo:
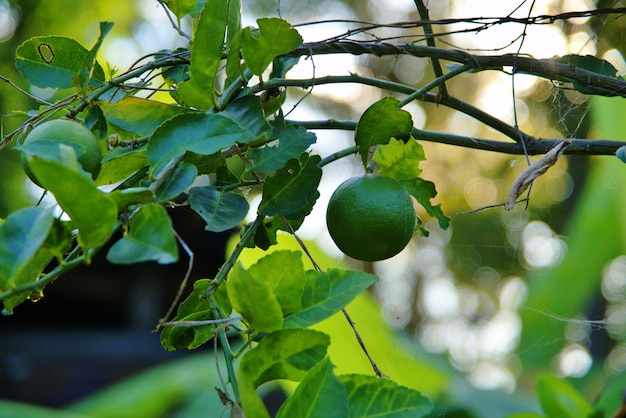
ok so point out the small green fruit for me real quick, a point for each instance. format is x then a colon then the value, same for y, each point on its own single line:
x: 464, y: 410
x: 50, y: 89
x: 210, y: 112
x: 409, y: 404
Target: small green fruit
x: 69, y: 133
x: 371, y: 218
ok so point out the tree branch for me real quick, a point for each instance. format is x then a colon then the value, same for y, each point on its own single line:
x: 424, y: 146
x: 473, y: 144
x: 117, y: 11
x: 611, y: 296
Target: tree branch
x: 535, y: 147
x: 550, y: 69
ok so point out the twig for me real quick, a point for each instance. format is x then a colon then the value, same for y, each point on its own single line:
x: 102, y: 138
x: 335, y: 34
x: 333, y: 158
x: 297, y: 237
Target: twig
x: 362, y: 344
x: 174, y: 25
x: 182, y: 286
x: 24, y: 92
x: 222, y: 321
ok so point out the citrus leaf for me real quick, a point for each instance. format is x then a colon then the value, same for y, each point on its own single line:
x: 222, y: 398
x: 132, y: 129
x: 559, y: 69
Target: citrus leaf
x: 285, y: 354
x: 233, y: 43
x: 592, y: 64
x: 206, y: 53
x: 247, y: 113
x: 254, y: 301
x: 193, y: 308
x: 184, y: 175
x: 29, y: 273
x: 190, y: 94
x: 284, y: 273
x: 559, y: 399
x: 320, y: 394
x: 89, y: 63
x: 400, y: 160
x: 327, y: 293
x: 93, y: 212
x: 273, y: 38
x: 121, y: 163
x: 180, y: 8
x: 52, y: 61
x: 382, y: 121
x: 291, y: 143
x: 220, y: 211
x: 139, y: 116
x: 370, y: 397
x: 95, y: 120
x: 131, y: 196
x: 22, y: 235
x: 201, y: 133
x: 423, y: 191
x: 293, y: 189
x: 150, y: 238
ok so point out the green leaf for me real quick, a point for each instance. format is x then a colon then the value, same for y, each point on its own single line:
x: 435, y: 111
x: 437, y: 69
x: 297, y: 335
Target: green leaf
x: 52, y: 61
x: 120, y: 164
x: 183, y: 177
x: 180, y: 8
x: 559, y: 399
x: 284, y: 273
x: 150, y: 238
x: 382, y: 121
x: 95, y: 120
x: 247, y: 113
x: 399, y: 159
x: 254, y: 300
x: 233, y: 43
x: 592, y: 64
x: 27, y: 275
x: 139, y: 116
x: 423, y: 191
x: 291, y: 144
x: 131, y: 196
x: 201, y: 133
x: 59, y: 240
x: 327, y: 293
x: 22, y: 234
x: 93, y: 212
x: 89, y: 62
x: 293, y: 188
x: 220, y: 211
x: 273, y: 38
x: 285, y: 354
x: 371, y: 396
x: 191, y: 94
x: 193, y: 308
x: 206, y: 52
x: 320, y: 394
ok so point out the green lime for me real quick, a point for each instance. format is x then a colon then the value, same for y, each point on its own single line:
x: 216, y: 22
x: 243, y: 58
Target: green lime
x: 71, y: 133
x: 371, y: 218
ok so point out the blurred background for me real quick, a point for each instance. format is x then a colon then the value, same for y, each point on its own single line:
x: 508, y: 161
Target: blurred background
x: 498, y: 297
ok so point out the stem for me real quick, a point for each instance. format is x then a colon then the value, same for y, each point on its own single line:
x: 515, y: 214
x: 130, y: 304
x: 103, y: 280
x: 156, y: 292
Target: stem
x: 228, y: 359
x: 228, y: 264
x: 439, y: 81
x: 71, y: 261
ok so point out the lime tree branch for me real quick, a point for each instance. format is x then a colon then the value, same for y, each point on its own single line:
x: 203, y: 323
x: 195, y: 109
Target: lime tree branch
x: 549, y: 69
x: 534, y: 147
